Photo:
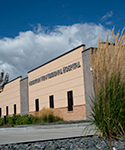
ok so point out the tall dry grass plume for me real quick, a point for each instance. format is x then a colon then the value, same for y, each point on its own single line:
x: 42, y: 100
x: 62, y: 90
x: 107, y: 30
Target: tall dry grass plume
x: 48, y: 115
x: 108, y: 58
x: 47, y: 111
x: 44, y: 111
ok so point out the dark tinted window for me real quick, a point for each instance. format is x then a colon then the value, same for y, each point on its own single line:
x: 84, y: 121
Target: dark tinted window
x: 6, y: 110
x: 14, y: 109
x: 51, y: 101
x: 0, y: 112
x: 37, y: 104
x: 70, y: 100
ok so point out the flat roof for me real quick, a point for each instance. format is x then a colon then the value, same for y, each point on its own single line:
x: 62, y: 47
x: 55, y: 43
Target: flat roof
x: 13, y: 79
x: 57, y: 57
x: 88, y: 49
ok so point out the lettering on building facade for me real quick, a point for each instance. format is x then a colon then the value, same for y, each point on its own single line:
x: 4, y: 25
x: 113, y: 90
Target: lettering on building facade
x: 56, y: 73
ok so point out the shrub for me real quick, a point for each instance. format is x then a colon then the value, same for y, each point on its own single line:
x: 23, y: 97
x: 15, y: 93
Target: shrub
x: 44, y: 118
x: 19, y: 120
x: 51, y: 118
x: 108, y: 108
x: 48, y: 115
x: 26, y: 119
x: 57, y: 119
x: 10, y: 120
x: 14, y: 120
x: 1, y: 121
x: 44, y: 111
x: 36, y: 119
x: 108, y: 68
x: 107, y: 59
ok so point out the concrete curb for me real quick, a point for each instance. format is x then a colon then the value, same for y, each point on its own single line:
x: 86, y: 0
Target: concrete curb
x: 51, y: 126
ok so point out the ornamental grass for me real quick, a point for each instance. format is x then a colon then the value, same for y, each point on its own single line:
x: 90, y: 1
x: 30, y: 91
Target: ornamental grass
x: 108, y: 104
x: 48, y: 115
x: 108, y: 58
x: 108, y: 109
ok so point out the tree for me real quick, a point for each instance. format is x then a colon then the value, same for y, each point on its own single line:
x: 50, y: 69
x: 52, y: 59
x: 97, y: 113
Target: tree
x: 3, y: 80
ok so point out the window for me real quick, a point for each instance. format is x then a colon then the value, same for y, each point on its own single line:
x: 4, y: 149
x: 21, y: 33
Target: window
x: 51, y: 101
x: 0, y: 112
x: 14, y: 109
x: 70, y: 100
x: 6, y: 110
x: 37, y: 104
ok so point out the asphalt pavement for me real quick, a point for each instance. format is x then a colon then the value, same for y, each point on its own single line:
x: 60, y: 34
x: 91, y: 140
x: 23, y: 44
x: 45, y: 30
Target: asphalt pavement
x: 31, y: 133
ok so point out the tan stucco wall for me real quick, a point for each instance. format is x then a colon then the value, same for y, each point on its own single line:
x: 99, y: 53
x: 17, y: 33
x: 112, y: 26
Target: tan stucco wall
x: 11, y: 96
x: 60, y: 84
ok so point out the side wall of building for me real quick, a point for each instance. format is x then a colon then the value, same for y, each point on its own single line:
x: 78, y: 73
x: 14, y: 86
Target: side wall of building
x: 88, y: 81
x: 58, y: 86
x: 10, y: 97
x: 24, y: 102
x: 66, y: 79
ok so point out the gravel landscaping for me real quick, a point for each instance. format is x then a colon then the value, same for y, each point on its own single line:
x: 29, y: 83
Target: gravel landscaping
x: 79, y: 143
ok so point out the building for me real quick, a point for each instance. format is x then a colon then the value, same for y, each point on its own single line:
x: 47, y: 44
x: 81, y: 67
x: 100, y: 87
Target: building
x: 64, y: 83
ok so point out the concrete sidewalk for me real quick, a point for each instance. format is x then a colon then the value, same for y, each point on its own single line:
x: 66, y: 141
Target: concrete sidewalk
x: 46, y: 126
x: 42, y: 132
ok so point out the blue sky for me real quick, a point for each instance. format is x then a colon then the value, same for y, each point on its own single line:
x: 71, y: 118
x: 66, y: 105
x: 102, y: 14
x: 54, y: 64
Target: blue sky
x: 22, y: 15
x: 32, y: 29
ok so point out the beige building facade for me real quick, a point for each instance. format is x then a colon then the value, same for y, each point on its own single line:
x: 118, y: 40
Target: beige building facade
x: 59, y: 84
x: 10, y: 98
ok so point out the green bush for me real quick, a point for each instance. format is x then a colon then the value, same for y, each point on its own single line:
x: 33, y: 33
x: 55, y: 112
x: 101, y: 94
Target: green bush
x: 10, y: 120
x: 108, y: 109
x: 30, y: 119
x: 44, y: 118
x: 13, y: 120
x: 1, y: 121
x: 27, y: 119
x: 50, y: 118
x: 36, y: 119
x: 19, y: 120
x: 57, y: 119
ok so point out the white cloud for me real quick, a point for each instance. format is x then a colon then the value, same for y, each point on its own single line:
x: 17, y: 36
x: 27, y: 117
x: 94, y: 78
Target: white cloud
x: 107, y: 15
x: 108, y: 23
x: 32, y: 48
